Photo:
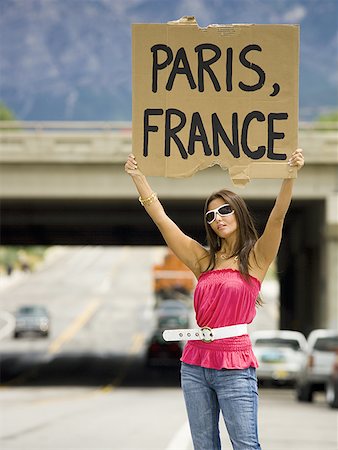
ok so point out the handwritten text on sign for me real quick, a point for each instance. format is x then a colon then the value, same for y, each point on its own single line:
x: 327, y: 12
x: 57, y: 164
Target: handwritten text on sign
x: 180, y: 66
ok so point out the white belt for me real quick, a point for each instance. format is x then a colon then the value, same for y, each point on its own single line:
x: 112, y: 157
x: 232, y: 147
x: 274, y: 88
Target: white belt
x: 205, y: 334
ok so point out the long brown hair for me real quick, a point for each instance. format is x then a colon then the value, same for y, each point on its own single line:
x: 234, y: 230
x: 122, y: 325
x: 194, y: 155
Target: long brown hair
x: 246, y: 237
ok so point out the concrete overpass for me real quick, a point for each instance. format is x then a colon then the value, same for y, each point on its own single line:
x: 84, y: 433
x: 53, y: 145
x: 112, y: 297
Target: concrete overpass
x: 63, y: 183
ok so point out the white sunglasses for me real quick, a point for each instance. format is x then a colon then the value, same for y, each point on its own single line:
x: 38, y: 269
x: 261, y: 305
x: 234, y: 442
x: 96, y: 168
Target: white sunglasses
x: 223, y: 210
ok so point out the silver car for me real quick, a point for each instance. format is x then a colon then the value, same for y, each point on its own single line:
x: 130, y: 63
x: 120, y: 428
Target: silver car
x: 32, y: 319
x: 332, y: 384
x: 280, y: 354
x: 172, y: 314
x: 316, y: 368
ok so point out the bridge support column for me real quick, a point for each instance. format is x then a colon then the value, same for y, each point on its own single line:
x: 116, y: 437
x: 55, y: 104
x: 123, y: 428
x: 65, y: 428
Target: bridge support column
x: 330, y: 319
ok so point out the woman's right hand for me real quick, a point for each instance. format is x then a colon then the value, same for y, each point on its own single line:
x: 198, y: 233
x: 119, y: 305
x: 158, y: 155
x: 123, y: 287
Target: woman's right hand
x: 131, y: 166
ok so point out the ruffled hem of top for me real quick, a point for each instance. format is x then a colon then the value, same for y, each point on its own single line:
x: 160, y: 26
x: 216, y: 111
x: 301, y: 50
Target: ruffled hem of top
x: 219, y: 359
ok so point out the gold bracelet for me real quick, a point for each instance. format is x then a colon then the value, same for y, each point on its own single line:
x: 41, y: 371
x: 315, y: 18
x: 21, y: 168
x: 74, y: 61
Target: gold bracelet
x: 149, y: 200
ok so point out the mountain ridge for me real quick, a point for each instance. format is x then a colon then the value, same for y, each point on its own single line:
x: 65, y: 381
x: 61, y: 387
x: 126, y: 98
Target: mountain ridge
x: 71, y: 59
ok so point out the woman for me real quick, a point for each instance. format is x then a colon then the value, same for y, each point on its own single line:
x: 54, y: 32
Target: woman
x: 218, y: 371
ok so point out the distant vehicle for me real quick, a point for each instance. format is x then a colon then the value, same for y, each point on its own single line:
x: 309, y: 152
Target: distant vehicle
x: 316, y: 368
x: 172, y: 314
x: 280, y: 354
x: 332, y: 385
x: 32, y: 319
x: 172, y: 280
x: 161, y: 353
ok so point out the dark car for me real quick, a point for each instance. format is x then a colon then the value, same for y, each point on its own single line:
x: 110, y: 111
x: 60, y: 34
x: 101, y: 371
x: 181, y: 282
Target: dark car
x: 332, y: 385
x: 32, y: 319
x: 161, y: 353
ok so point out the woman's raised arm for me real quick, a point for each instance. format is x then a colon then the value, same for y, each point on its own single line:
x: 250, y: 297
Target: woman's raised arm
x: 185, y: 248
x: 267, y: 246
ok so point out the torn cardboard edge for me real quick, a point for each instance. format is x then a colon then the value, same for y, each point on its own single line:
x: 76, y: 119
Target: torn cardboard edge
x: 240, y: 175
x: 191, y: 20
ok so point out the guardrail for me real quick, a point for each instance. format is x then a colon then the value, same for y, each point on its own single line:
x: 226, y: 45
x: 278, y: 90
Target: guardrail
x: 39, y: 126
x: 117, y: 126
x: 107, y: 142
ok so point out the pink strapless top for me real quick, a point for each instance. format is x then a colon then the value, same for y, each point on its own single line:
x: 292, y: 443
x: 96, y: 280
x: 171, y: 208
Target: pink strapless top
x: 223, y: 297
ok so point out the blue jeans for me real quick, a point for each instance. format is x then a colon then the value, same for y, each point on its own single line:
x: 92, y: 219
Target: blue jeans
x: 234, y: 392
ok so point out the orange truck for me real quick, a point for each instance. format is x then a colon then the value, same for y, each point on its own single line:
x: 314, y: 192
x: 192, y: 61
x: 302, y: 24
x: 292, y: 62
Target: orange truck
x: 172, y: 279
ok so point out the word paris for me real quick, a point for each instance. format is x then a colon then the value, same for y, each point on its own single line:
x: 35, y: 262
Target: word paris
x: 180, y: 65
x: 225, y: 95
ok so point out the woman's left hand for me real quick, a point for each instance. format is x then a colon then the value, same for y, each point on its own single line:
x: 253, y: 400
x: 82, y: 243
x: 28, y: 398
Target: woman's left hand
x: 297, y: 159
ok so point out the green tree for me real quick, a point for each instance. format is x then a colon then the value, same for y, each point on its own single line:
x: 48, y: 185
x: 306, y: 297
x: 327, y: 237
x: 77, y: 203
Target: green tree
x: 329, y: 117
x: 5, y: 112
x: 328, y: 122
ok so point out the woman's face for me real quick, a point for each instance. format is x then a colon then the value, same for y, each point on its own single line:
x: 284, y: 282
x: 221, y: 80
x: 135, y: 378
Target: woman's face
x: 223, y: 226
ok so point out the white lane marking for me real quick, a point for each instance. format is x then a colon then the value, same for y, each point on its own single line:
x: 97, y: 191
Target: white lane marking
x: 106, y: 282
x: 10, y: 325
x: 182, y: 439
x: 105, y: 285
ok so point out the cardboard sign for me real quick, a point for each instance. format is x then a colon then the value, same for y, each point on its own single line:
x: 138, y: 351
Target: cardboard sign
x: 225, y: 94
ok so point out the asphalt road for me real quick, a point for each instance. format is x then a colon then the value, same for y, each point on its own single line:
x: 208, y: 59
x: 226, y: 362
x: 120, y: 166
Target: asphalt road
x: 86, y: 386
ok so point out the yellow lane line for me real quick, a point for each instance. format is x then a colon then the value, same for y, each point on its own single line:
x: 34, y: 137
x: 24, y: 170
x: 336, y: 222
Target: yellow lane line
x: 64, y: 337
x: 81, y: 320
x: 138, y: 341
x: 87, y: 313
x: 74, y: 327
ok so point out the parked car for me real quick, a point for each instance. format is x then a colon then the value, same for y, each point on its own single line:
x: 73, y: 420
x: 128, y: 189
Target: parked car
x: 316, y: 368
x: 332, y: 385
x: 280, y: 354
x: 172, y: 314
x: 32, y: 319
x: 161, y: 353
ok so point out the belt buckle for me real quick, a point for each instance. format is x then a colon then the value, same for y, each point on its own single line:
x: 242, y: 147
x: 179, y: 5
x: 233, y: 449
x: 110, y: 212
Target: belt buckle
x: 207, y: 335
